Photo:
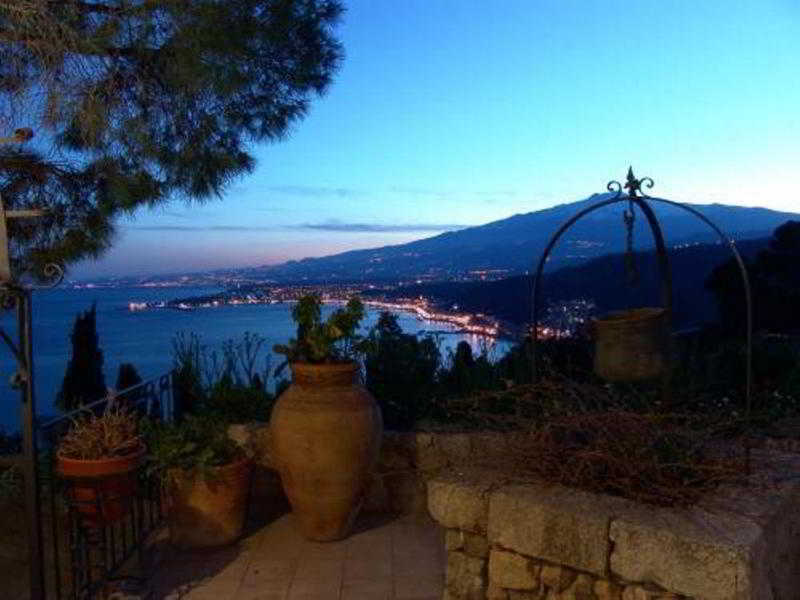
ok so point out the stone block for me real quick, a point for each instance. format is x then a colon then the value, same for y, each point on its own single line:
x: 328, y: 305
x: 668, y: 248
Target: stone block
x: 607, y: 590
x: 489, y: 444
x: 465, y: 576
x: 530, y: 595
x: 453, y: 539
x: 459, y: 503
x: 640, y: 592
x: 493, y: 592
x: 557, y: 578
x: 472, y: 544
x: 581, y: 589
x: 476, y: 544
x: 737, y: 543
x: 428, y: 456
x: 695, y: 554
x: 456, y: 447
x: 553, y: 523
x: 512, y: 571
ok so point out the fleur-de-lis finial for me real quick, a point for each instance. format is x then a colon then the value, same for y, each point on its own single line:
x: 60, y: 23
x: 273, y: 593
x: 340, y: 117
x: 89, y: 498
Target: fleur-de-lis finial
x: 633, y: 185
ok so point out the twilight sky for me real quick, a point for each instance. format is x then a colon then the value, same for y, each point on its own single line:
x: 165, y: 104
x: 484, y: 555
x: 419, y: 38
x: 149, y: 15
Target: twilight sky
x: 451, y: 113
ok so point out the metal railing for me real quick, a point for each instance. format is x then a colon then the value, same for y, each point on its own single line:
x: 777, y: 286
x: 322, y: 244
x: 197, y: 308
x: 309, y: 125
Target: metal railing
x: 82, y: 555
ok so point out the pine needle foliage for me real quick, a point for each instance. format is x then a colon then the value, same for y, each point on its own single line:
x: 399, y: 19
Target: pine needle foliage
x: 135, y: 102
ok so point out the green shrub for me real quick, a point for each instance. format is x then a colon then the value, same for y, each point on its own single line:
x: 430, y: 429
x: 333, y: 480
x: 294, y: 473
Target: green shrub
x: 226, y: 384
x: 237, y: 403
x: 401, y: 373
x: 332, y: 341
x: 196, y: 443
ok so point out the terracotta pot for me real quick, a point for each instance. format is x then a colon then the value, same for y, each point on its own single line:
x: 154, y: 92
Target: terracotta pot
x: 207, y: 510
x: 631, y: 345
x: 325, y: 434
x: 102, y: 490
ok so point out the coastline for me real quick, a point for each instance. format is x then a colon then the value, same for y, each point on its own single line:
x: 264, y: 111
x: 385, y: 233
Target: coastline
x: 145, y: 338
x: 470, y: 324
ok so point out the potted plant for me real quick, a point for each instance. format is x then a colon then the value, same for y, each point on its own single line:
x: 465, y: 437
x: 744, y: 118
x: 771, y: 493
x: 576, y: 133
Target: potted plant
x: 99, y: 457
x: 205, y: 480
x: 325, y: 429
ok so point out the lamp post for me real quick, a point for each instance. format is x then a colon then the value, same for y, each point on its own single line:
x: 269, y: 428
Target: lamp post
x: 23, y: 354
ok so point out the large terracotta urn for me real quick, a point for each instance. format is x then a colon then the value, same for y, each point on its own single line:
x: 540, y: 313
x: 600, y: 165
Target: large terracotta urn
x: 325, y: 434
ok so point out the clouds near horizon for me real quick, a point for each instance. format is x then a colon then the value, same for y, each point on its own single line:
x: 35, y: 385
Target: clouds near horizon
x: 330, y: 225
x: 315, y: 191
x: 337, y: 226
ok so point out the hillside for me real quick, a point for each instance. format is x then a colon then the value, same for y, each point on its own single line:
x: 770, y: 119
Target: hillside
x: 601, y: 279
x: 510, y: 246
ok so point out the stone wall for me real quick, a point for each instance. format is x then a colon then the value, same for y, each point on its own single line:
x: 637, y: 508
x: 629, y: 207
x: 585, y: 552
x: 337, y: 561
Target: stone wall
x: 515, y: 541
x: 407, y: 462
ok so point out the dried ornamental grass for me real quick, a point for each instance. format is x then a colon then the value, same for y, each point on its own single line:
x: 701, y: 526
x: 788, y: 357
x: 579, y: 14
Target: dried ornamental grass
x: 92, y: 437
x: 607, y: 439
x: 529, y: 405
x: 641, y: 457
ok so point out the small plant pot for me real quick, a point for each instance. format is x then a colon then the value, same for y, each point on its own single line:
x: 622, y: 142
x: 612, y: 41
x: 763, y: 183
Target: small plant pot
x: 102, y: 490
x: 207, y: 510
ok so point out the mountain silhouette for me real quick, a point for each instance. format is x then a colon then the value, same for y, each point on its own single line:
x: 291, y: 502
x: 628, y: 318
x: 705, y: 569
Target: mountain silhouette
x: 512, y: 246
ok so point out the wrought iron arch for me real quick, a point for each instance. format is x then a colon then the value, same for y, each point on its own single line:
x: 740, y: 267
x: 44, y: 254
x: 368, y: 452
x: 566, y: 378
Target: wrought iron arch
x: 634, y: 186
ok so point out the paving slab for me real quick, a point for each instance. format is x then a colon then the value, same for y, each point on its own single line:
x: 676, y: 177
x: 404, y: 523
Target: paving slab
x: 386, y: 558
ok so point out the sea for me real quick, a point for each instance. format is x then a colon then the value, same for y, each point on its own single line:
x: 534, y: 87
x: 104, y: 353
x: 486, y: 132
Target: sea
x: 145, y: 337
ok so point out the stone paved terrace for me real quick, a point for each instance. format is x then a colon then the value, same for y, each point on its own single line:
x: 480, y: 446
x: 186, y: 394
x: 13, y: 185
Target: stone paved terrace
x: 386, y: 558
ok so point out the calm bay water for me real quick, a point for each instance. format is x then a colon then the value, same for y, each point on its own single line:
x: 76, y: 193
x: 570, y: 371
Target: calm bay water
x: 145, y: 338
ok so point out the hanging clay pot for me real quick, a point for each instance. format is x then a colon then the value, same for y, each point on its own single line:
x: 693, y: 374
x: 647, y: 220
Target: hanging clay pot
x: 325, y: 433
x: 631, y: 345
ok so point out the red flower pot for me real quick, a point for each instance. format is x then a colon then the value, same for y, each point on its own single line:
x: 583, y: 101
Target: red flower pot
x: 101, y: 490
